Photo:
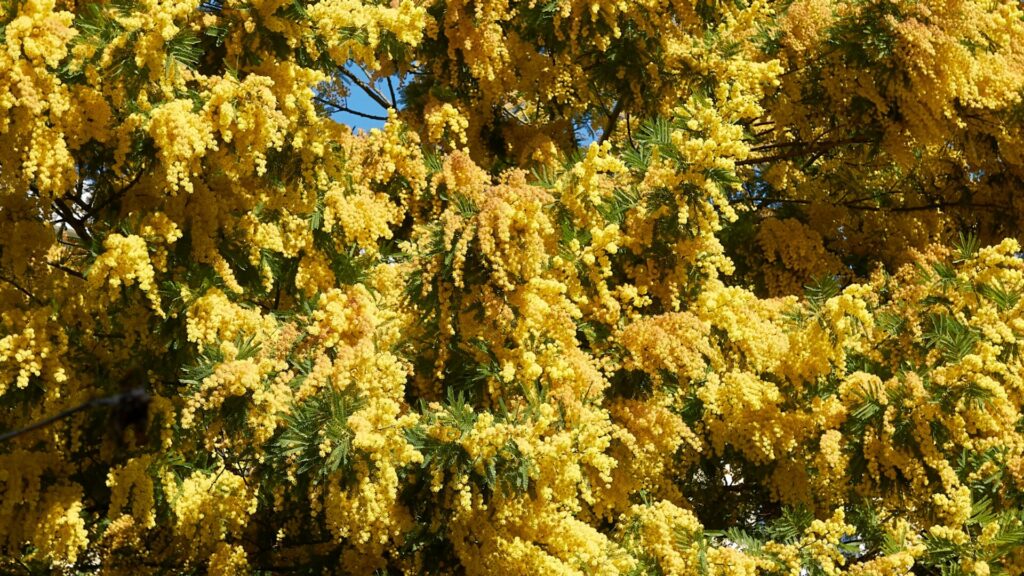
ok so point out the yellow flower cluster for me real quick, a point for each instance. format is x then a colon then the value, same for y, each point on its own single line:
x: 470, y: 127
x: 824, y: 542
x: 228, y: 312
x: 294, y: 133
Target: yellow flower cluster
x: 125, y: 262
x: 670, y: 534
x: 29, y: 350
x: 446, y: 117
x: 344, y: 318
x: 208, y: 506
x: 133, y: 483
x: 183, y: 139
x: 364, y: 217
x: 799, y: 253
x: 403, y: 20
x: 213, y: 319
x: 49, y: 518
x: 229, y: 560
x: 35, y: 103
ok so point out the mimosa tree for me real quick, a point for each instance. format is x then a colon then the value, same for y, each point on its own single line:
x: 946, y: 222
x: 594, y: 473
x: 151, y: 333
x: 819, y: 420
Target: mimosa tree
x: 620, y: 287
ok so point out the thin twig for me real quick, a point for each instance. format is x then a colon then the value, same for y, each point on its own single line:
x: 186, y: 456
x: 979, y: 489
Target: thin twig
x: 391, y: 89
x: 339, y: 108
x: 30, y: 295
x: 370, y: 91
x: 112, y: 400
x: 815, y: 149
x: 855, y: 206
x: 67, y: 270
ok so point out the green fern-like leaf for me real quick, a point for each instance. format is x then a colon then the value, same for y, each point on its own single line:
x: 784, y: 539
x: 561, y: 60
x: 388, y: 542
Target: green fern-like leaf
x: 966, y: 246
x: 889, y: 322
x: 293, y: 11
x: 94, y: 26
x: 792, y: 524
x: 868, y: 410
x: 820, y: 290
x: 976, y: 395
x: 320, y: 421
x: 982, y: 512
x: 1004, y: 299
x: 185, y: 48
x: 1011, y: 533
x: 945, y: 274
x: 637, y: 158
x: 615, y: 208
x: 746, y: 541
x: 656, y: 134
x: 432, y: 161
x: 953, y: 340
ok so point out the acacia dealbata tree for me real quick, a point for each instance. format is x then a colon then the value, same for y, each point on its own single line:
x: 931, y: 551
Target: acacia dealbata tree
x: 620, y: 287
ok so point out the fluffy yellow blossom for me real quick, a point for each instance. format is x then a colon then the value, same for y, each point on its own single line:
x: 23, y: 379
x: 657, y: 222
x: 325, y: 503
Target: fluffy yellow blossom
x: 344, y: 317
x: 670, y: 534
x: 799, y: 252
x: 182, y: 138
x: 229, y: 560
x: 125, y: 262
x: 213, y: 318
x: 446, y: 118
x: 208, y: 506
x: 133, y: 484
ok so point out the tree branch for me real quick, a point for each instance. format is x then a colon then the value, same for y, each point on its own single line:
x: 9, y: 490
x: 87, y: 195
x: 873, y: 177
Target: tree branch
x: 119, y: 194
x: 339, y: 108
x: 922, y: 207
x: 30, y: 295
x: 821, y: 147
x: 391, y: 89
x: 67, y: 270
x: 370, y: 91
x: 613, y: 119
x: 133, y: 395
x: 69, y: 217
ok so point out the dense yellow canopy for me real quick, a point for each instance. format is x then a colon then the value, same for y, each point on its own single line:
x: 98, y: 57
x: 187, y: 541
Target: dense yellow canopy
x: 637, y: 287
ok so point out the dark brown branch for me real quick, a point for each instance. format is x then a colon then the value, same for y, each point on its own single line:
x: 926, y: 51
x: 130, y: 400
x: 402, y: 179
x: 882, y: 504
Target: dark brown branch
x: 821, y: 147
x: 613, y: 119
x: 71, y: 220
x: 810, y: 161
x: 339, y: 108
x: 67, y: 270
x: 391, y: 90
x: 370, y: 91
x: 777, y: 145
x: 117, y: 195
x: 811, y: 144
x: 856, y: 206
x: 133, y: 395
x: 76, y: 197
x: 30, y: 295
x: 266, y: 559
x: 937, y: 205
